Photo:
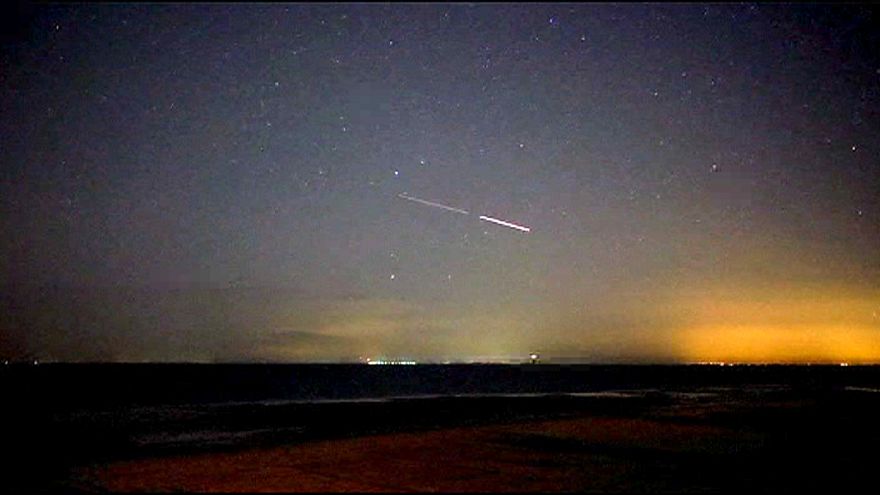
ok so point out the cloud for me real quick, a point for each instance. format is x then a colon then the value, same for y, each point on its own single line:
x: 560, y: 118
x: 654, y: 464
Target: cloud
x: 242, y: 324
x: 293, y: 345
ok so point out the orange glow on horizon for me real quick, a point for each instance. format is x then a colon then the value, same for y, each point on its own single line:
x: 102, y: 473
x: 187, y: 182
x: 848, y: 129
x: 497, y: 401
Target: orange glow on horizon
x: 766, y: 322
x: 772, y: 344
x: 785, y: 325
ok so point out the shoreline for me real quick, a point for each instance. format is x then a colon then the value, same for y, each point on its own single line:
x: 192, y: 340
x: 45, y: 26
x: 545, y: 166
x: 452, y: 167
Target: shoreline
x: 784, y: 429
x: 590, y: 453
x: 789, y: 443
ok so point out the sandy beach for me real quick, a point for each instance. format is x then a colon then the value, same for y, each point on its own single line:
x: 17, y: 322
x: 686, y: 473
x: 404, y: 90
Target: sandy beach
x: 765, y: 446
x: 589, y: 454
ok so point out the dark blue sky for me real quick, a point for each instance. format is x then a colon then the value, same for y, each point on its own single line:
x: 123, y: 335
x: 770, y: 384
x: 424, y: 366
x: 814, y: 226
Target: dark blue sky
x: 220, y: 182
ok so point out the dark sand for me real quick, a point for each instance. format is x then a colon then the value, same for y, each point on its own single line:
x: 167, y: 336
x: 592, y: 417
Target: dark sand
x: 765, y: 447
x: 600, y: 454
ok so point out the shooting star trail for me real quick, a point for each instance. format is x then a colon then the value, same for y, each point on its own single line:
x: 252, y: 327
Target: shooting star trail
x: 431, y: 203
x: 485, y: 218
x: 506, y: 224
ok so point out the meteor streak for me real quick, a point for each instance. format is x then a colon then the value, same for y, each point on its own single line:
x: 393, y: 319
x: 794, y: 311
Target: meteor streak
x: 431, y: 203
x: 506, y: 224
x: 485, y: 218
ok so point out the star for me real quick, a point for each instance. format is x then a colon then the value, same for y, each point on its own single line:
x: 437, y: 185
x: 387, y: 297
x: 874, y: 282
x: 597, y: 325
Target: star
x: 599, y: 173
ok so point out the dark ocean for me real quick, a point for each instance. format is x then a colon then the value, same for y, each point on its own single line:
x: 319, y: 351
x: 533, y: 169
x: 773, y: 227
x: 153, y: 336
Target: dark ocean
x: 60, y: 415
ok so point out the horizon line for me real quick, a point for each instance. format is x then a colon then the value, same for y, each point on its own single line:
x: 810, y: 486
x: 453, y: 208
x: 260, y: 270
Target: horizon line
x: 543, y: 362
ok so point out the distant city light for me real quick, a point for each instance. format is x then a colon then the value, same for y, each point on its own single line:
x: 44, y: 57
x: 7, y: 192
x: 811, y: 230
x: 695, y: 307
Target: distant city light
x: 390, y: 362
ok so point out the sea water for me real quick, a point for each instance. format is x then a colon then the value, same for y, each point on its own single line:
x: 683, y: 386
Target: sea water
x: 81, y: 412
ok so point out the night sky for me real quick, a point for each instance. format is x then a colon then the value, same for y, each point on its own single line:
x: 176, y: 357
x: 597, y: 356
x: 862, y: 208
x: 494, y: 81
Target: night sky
x: 219, y: 183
